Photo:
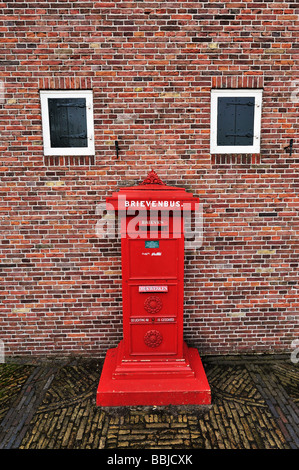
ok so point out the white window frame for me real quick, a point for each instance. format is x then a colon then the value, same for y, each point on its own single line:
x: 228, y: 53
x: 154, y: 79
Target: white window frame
x: 87, y: 94
x: 255, y: 148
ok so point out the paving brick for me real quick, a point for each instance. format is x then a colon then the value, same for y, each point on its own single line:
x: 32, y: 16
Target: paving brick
x: 253, y: 407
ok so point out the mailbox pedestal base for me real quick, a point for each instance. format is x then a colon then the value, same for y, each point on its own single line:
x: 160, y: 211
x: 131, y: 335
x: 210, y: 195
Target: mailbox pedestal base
x: 154, y: 387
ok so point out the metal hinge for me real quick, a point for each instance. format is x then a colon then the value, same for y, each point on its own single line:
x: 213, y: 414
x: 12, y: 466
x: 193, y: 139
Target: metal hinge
x: 70, y: 105
x: 238, y: 135
x: 73, y: 136
x: 241, y: 104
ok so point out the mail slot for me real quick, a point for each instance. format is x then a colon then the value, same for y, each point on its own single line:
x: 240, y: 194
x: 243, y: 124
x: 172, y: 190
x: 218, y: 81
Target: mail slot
x: 152, y: 364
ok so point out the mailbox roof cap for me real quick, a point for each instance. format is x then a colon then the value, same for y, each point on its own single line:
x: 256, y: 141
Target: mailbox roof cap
x: 152, y: 188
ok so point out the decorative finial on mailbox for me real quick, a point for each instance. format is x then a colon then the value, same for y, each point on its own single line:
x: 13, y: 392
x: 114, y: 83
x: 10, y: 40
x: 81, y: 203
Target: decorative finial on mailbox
x: 152, y: 178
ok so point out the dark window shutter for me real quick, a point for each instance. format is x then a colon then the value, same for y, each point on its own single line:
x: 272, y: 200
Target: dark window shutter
x: 226, y: 121
x: 68, y: 124
x: 235, y: 121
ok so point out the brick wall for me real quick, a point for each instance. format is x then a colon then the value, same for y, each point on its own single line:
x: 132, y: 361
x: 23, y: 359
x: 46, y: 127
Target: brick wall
x: 151, y: 66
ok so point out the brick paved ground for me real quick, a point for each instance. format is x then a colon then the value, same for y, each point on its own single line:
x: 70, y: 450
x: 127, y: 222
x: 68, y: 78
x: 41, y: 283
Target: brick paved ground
x: 52, y: 406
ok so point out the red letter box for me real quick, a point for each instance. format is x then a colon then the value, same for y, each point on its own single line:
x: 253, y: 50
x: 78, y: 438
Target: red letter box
x: 152, y: 365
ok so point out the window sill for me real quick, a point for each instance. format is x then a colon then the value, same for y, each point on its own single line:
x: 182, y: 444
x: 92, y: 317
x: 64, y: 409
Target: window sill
x: 69, y: 160
x: 236, y: 159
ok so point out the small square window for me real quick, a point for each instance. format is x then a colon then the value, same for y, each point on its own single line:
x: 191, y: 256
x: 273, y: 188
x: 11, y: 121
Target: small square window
x: 236, y: 121
x: 67, y: 118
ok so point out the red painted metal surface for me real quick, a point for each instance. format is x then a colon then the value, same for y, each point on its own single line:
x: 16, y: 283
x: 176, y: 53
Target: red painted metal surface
x: 152, y: 365
x: 162, y: 386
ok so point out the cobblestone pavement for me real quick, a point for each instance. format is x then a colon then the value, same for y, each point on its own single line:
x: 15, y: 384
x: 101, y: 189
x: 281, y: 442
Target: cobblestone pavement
x: 52, y: 406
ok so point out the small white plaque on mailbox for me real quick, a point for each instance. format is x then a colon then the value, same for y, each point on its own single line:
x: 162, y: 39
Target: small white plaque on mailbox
x: 153, y: 288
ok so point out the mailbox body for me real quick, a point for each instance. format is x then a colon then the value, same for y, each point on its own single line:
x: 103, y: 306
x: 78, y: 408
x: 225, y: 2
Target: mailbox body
x: 152, y: 364
x: 153, y: 275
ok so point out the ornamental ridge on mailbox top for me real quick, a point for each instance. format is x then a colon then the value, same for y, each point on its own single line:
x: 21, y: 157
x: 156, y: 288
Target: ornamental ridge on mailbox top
x: 152, y: 189
x: 152, y: 365
x: 152, y: 178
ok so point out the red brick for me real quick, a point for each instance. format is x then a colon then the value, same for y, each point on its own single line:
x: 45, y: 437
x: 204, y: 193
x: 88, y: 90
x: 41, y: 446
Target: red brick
x: 151, y: 71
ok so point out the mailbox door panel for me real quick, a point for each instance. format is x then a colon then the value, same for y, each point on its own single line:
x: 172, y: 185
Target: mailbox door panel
x: 153, y: 339
x: 153, y: 259
x: 153, y: 303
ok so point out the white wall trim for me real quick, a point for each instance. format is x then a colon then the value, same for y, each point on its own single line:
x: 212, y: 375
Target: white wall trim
x: 87, y: 94
x: 255, y: 148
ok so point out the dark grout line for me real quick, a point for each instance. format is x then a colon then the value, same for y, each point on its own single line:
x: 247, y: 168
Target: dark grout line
x: 279, y: 403
x: 15, y: 424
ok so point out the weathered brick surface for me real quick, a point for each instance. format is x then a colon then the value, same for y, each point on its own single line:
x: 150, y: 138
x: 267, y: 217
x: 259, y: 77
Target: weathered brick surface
x: 254, y: 406
x: 151, y: 66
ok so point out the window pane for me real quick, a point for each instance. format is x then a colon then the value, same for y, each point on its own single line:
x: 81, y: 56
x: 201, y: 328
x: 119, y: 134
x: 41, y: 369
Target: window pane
x: 235, y: 121
x: 244, y: 121
x: 226, y: 121
x: 68, y: 124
